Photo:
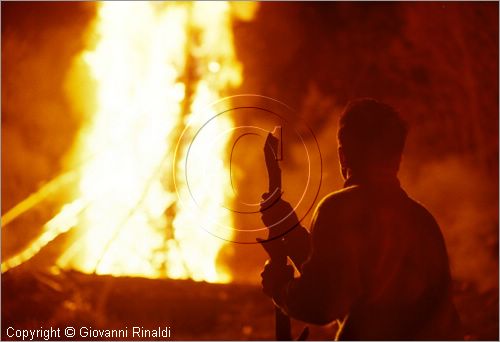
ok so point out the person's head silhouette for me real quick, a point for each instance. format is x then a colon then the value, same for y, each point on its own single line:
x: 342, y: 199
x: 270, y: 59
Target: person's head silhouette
x: 371, y: 139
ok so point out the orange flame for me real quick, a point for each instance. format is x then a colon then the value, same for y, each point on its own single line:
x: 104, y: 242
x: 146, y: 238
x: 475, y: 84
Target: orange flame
x: 155, y: 66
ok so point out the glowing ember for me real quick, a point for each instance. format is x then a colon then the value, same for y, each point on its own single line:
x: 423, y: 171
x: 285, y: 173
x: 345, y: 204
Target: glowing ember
x: 155, y: 66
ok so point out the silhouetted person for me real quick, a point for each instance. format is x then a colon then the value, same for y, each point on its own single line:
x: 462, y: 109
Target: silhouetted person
x: 374, y: 255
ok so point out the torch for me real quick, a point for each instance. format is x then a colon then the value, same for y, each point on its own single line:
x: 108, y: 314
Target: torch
x: 273, y: 152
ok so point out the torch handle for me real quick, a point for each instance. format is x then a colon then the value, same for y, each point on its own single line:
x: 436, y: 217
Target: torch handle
x: 273, y: 153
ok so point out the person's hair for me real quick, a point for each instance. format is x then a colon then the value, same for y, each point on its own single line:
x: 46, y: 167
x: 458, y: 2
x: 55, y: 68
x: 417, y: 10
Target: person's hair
x: 371, y: 134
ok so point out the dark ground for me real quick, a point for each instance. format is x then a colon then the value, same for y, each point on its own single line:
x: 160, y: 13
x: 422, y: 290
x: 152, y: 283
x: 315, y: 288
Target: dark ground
x: 192, y: 310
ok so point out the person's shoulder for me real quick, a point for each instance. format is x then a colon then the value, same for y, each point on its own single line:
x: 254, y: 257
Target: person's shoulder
x: 430, y: 231
x: 422, y: 212
x: 337, y: 211
x: 345, y: 196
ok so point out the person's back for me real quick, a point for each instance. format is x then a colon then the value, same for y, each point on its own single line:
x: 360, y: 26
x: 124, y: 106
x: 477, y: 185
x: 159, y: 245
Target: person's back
x: 401, y: 261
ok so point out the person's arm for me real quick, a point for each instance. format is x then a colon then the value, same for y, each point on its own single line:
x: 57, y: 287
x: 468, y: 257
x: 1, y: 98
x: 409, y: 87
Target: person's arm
x: 329, y: 282
x: 297, y: 244
x: 292, y: 237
